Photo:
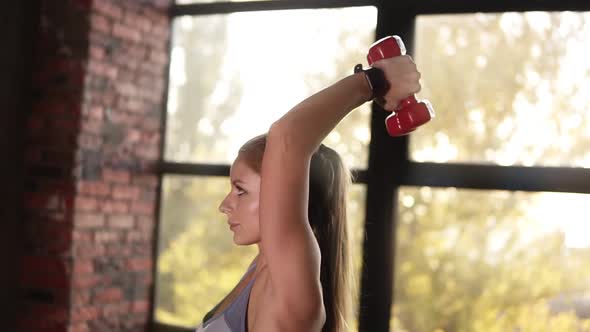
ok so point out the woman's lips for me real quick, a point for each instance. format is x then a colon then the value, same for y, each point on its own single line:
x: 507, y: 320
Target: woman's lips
x: 233, y: 225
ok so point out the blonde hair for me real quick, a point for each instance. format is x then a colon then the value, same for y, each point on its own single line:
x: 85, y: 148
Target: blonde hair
x: 328, y: 183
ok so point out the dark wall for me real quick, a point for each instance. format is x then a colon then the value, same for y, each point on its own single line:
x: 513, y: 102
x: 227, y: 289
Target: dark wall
x: 17, y: 26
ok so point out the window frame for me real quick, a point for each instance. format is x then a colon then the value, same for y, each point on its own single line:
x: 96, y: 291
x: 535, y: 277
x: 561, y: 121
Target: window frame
x: 389, y: 166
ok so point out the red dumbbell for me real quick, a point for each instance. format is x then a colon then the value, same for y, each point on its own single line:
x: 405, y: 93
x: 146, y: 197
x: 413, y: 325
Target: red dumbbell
x: 410, y: 113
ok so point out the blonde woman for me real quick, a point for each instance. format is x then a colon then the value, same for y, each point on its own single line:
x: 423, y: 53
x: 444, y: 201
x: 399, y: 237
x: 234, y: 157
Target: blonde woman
x: 288, y: 198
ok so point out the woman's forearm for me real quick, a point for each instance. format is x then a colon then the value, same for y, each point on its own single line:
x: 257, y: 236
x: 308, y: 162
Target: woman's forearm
x: 307, y: 124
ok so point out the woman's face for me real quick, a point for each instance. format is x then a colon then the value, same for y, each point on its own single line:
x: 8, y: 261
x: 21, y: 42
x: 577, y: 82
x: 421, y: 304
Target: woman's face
x: 241, y: 203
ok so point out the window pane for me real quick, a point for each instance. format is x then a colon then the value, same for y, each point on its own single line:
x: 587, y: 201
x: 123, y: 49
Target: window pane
x: 509, y: 89
x: 233, y: 75
x: 198, y: 263
x: 470, y: 260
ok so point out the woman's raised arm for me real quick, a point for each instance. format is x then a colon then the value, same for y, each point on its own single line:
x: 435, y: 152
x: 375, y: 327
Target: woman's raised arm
x: 287, y: 242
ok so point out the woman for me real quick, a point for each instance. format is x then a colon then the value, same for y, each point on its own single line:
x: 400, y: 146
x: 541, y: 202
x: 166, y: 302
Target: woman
x: 288, y: 197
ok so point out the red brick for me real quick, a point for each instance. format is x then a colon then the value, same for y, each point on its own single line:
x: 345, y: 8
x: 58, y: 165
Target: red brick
x: 148, y: 95
x: 84, y: 314
x: 86, y: 204
x: 143, y: 208
x: 125, y: 192
x: 141, y: 306
x: 82, y: 236
x: 92, y: 127
x: 148, y: 152
x: 94, y: 188
x: 159, y: 57
x: 79, y: 327
x: 138, y: 21
x: 139, y: 264
x: 145, y: 180
x: 133, y: 105
x: 89, y: 220
x: 116, y: 176
x: 83, y: 267
x: 148, y: 196
x: 89, y: 141
x: 160, y: 31
x: 80, y: 297
x: 100, y: 23
x: 133, y: 136
x: 89, y: 250
x: 122, y: 118
x: 125, y: 61
x: 137, y: 51
x: 85, y: 281
x: 108, y: 295
x: 107, y: 8
x: 126, y: 75
x: 101, y: 68
x: 138, y: 236
x: 110, y: 206
x: 126, y: 32
x: 143, y: 248
x: 97, y: 52
x: 151, y: 137
x: 119, y: 250
x: 145, y: 223
x: 106, y: 236
x: 121, y: 221
x: 96, y: 113
x: 127, y: 89
x: 114, y: 310
x: 145, y: 279
x: 155, y: 71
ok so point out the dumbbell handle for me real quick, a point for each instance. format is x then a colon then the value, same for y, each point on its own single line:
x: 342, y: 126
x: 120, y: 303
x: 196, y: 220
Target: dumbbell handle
x: 409, y: 113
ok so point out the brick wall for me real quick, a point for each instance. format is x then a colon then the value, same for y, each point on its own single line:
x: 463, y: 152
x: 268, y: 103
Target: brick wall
x: 93, y: 141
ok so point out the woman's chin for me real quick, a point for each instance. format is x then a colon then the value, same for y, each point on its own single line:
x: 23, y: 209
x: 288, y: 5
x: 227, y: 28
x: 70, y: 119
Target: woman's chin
x: 242, y: 242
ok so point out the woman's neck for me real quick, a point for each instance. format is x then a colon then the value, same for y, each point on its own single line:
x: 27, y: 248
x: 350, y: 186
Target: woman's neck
x: 260, y: 260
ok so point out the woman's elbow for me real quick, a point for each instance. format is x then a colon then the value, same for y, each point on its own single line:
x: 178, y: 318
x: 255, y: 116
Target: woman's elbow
x: 287, y: 141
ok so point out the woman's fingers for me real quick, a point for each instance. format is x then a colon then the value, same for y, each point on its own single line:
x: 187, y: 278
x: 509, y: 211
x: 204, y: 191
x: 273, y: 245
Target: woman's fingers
x: 403, y: 77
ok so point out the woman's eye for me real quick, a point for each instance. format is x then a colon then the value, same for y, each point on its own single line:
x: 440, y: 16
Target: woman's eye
x: 240, y: 191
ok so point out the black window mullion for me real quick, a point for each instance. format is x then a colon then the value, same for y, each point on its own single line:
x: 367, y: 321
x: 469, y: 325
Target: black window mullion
x: 199, y: 169
x: 235, y: 7
x: 494, y: 177
x: 387, y: 159
x: 491, y: 6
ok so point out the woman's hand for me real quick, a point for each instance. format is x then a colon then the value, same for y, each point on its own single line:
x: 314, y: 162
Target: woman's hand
x: 403, y: 78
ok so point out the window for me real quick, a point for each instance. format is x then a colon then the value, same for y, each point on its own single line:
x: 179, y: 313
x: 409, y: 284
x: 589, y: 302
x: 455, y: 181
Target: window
x: 480, y: 260
x: 481, y: 214
x: 231, y: 76
x: 512, y: 87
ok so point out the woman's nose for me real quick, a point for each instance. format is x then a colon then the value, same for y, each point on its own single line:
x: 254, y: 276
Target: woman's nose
x: 223, y: 208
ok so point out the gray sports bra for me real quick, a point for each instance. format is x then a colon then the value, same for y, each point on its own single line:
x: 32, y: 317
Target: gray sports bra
x: 232, y: 318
